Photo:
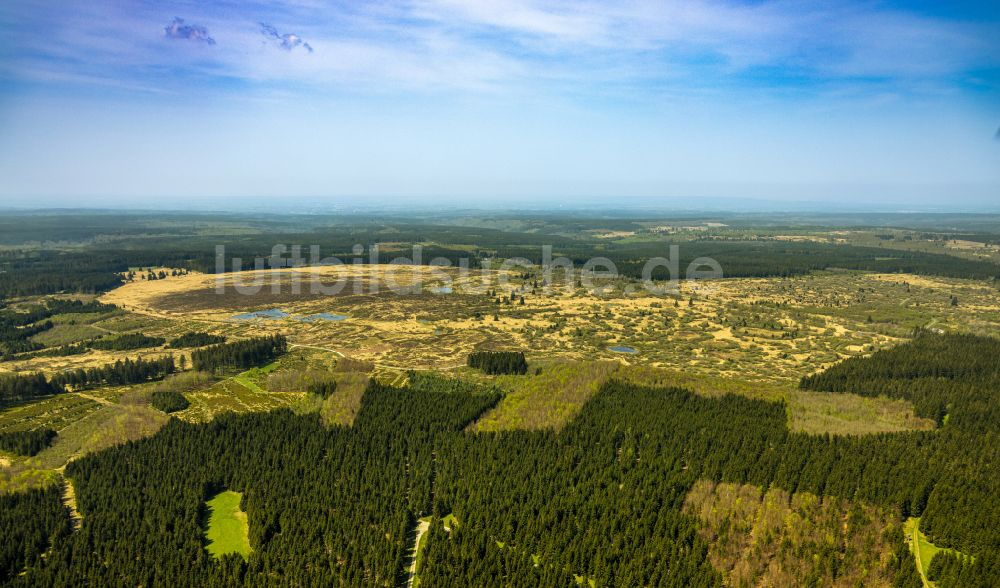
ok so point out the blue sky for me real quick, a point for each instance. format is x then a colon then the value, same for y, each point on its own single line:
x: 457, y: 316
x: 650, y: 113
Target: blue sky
x: 517, y: 101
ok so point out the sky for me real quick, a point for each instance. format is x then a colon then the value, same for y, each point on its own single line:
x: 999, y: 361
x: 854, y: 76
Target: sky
x: 518, y: 102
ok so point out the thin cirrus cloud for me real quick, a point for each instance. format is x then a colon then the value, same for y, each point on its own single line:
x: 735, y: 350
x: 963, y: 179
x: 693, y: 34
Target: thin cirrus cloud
x: 286, y: 41
x: 192, y: 32
x: 569, y: 47
x: 835, y: 40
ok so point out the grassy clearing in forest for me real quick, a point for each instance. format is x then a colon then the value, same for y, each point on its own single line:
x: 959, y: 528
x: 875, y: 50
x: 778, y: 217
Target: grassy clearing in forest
x: 227, y: 530
x: 105, y: 427
x: 232, y: 396
x: 553, y: 397
x: 921, y: 548
x: 62, y: 334
x: 549, y: 399
x: 84, y: 426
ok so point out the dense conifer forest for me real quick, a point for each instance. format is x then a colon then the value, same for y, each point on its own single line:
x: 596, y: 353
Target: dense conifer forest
x: 127, y: 371
x: 15, y: 387
x: 499, y: 362
x: 239, y: 354
x: 168, y: 400
x: 954, y: 376
x: 588, y: 501
x: 26, y: 442
x: 30, y: 522
x: 127, y: 342
x: 195, y: 340
x: 325, y: 506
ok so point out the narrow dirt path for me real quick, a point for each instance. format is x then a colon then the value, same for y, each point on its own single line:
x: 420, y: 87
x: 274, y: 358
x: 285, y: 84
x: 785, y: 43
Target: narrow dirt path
x: 69, y: 499
x: 422, y: 527
x: 334, y: 351
x: 96, y: 399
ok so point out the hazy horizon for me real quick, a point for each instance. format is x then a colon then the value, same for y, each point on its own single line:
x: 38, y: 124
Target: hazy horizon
x: 390, y: 205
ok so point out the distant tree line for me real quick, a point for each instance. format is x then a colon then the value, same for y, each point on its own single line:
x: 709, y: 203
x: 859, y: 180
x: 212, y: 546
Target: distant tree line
x: 52, y: 272
x: 760, y: 258
x: 100, y: 267
x: 239, y: 354
x: 499, y: 362
x: 63, y: 306
x: 61, y: 351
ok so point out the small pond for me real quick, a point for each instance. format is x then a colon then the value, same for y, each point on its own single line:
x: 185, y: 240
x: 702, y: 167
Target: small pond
x: 274, y: 313
x: 623, y: 349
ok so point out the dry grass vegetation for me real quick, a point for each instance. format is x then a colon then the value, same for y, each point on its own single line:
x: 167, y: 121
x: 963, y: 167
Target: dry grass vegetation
x: 549, y: 399
x: 754, y: 337
x: 775, y: 329
x: 232, y: 396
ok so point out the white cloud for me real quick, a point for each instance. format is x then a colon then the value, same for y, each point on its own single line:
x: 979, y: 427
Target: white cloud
x: 580, y: 46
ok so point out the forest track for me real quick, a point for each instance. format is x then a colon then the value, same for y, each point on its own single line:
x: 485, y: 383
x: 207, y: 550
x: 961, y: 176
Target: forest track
x: 334, y: 351
x: 69, y: 500
x: 97, y: 399
x: 915, y: 541
x: 915, y: 545
x: 422, y: 527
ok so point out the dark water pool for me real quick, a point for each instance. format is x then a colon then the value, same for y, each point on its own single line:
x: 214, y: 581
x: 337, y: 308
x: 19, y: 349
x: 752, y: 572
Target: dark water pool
x: 623, y: 349
x: 274, y: 313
